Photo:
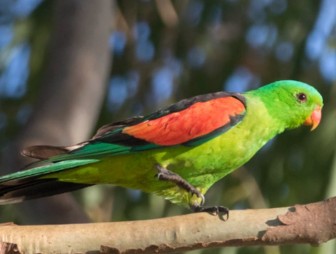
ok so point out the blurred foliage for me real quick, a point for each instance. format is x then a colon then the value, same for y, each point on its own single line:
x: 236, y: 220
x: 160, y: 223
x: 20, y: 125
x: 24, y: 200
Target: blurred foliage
x: 167, y: 50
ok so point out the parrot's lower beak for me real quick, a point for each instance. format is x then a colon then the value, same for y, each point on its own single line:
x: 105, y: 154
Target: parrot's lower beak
x: 314, y: 119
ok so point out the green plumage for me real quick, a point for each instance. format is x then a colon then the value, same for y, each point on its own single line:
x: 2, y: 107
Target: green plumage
x: 269, y: 111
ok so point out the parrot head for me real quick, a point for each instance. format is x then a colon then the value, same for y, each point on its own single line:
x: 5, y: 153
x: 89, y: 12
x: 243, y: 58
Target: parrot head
x: 293, y: 103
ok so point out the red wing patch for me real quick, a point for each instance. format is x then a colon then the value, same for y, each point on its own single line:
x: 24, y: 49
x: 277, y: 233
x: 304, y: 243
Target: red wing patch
x: 199, y: 119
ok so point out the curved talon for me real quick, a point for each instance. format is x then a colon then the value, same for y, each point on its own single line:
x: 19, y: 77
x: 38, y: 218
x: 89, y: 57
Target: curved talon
x: 196, y: 192
x: 161, y: 171
x: 215, y: 210
x: 202, y: 198
x: 198, y: 195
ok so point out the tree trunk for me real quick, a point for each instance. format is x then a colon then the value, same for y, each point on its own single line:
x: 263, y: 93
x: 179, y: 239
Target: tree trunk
x: 71, y: 96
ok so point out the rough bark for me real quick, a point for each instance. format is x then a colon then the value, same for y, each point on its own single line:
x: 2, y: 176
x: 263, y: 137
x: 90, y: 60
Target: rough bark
x: 312, y: 223
x: 71, y: 95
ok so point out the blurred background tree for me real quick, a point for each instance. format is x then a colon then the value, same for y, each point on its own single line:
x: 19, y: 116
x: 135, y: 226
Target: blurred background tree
x: 166, y: 50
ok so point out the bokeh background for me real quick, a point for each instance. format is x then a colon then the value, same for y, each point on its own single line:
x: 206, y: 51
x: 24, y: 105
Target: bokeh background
x: 164, y: 50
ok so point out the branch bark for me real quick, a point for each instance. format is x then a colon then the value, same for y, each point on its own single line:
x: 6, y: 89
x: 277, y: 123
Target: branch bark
x: 71, y: 96
x: 311, y: 223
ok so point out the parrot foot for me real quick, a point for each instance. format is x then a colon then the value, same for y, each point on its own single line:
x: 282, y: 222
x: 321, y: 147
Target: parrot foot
x: 216, y: 210
x: 167, y: 175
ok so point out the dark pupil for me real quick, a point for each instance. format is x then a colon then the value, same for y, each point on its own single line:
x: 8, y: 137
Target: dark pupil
x: 302, y: 97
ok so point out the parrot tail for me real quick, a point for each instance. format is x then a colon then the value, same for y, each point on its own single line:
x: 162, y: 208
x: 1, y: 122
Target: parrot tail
x: 14, y: 192
x: 35, y: 183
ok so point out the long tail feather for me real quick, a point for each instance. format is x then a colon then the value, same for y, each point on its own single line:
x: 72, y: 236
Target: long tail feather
x: 32, y: 183
x: 35, y: 189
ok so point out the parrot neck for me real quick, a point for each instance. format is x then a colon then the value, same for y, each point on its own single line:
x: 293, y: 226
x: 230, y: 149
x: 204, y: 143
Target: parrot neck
x: 263, y: 120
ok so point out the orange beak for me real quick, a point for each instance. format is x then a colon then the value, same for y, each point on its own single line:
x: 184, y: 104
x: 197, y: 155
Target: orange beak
x: 314, y: 119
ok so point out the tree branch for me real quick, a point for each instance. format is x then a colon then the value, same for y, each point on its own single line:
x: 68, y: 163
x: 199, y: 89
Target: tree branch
x: 312, y: 223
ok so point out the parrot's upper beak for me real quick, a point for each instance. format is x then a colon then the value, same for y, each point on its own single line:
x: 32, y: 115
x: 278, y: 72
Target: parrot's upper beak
x: 314, y: 119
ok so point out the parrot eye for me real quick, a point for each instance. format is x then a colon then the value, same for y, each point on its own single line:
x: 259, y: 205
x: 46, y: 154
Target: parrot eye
x: 301, y: 97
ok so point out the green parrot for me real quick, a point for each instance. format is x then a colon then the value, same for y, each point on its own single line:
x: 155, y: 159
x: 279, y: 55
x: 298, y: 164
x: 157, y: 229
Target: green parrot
x: 178, y: 152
